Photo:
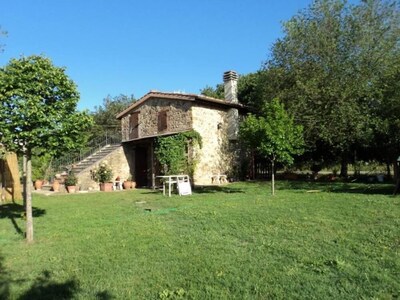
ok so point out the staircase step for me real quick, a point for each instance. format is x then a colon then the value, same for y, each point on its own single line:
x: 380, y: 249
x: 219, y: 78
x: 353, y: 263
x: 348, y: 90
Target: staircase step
x: 94, y: 158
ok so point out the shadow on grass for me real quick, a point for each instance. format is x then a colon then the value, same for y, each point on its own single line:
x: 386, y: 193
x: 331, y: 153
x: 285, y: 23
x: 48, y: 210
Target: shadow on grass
x: 45, y: 288
x: 104, y: 295
x: 4, y: 282
x: 209, y: 189
x: 339, y: 187
x: 15, y: 211
x: 203, y: 189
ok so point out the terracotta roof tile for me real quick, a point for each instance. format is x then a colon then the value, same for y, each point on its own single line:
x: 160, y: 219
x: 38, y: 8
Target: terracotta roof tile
x: 177, y: 96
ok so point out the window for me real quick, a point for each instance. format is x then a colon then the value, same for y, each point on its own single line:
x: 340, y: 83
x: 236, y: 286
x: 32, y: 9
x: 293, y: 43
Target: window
x: 162, y: 121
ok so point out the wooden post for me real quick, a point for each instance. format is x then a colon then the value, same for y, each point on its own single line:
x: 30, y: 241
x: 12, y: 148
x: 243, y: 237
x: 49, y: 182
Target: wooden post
x: 153, y: 175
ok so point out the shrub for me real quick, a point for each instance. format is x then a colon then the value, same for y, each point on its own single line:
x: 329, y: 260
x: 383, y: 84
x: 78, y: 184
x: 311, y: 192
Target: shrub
x: 71, y: 180
x: 103, y: 173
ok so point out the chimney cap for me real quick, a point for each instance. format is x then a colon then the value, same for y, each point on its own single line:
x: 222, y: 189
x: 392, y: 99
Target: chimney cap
x: 230, y: 75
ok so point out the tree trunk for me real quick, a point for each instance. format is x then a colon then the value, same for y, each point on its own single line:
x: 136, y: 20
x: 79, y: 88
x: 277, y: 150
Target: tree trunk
x: 344, y: 165
x: 28, y: 200
x: 273, y: 177
x: 2, y: 181
x: 388, y: 174
x: 24, y: 181
x: 396, y: 171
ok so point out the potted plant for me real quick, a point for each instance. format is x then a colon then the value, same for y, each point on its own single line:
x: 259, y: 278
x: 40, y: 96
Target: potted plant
x: 40, y: 164
x: 103, y: 175
x: 128, y: 183
x: 70, y: 183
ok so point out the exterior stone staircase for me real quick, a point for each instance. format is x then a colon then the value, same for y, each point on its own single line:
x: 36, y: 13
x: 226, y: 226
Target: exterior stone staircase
x: 94, y: 158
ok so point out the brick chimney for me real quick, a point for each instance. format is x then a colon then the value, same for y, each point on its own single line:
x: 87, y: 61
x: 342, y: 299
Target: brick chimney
x: 230, y: 86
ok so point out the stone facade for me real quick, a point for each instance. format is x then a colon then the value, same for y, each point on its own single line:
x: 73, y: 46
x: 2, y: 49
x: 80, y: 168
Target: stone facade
x: 178, y: 118
x: 216, y: 155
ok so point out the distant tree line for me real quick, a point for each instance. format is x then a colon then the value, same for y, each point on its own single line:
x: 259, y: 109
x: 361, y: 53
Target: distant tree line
x: 337, y: 72
x: 104, y: 116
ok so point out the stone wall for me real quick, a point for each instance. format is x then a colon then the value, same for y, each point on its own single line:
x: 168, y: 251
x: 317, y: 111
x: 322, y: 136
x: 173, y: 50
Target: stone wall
x: 216, y: 155
x: 179, y: 117
x: 120, y: 166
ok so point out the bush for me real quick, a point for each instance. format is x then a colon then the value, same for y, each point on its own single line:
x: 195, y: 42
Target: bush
x: 103, y: 173
x: 71, y: 180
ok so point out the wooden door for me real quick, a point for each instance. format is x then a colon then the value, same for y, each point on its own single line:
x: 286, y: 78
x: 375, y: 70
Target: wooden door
x: 141, y: 166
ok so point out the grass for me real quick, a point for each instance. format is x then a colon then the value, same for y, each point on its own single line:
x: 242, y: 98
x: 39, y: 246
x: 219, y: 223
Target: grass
x: 310, y: 241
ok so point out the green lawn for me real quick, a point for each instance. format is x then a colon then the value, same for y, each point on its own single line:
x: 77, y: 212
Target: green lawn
x: 339, y: 241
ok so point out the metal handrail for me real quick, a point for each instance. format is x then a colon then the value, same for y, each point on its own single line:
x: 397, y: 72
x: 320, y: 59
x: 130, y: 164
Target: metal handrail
x: 68, y: 160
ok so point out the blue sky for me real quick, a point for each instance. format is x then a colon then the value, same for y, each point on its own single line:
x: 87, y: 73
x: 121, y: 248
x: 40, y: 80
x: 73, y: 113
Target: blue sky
x: 131, y: 47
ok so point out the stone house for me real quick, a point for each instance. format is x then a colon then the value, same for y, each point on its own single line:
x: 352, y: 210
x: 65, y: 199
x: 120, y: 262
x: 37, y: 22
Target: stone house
x: 162, y: 114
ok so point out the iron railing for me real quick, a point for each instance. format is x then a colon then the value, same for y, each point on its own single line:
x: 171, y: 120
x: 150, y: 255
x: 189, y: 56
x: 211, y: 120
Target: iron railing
x: 68, y: 160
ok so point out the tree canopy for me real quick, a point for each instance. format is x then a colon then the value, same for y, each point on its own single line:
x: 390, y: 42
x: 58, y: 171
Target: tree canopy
x: 38, y: 112
x: 104, y: 116
x: 39, y: 107
x: 249, y: 87
x: 330, y: 70
x: 273, y: 134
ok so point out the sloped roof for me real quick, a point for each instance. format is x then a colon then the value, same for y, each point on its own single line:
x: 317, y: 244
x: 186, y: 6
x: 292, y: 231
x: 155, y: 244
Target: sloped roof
x: 179, y: 97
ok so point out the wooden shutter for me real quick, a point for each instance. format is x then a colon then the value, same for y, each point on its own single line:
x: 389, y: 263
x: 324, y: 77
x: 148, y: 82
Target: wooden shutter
x: 134, y: 126
x: 162, y: 121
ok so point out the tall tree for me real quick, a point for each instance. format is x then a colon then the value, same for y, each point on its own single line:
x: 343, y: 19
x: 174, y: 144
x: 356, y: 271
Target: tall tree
x: 274, y: 135
x: 333, y: 55
x: 217, y: 92
x: 104, y: 115
x: 38, y: 112
x: 249, y: 89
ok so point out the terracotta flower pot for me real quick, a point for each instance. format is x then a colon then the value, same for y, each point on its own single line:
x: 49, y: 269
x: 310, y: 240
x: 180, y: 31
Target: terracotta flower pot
x: 106, y: 186
x: 71, y: 188
x: 127, y: 185
x: 56, y: 185
x: 38, y: 184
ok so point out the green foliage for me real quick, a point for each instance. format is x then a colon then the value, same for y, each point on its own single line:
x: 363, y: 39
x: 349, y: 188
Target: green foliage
x: 330, y: 66
x: 172, y: 152
x: 40, y: 166
x: 249, y: 88
x: 39, y: 107
x: 3, y: 152
x: 71, y: 180
x: 273, y: 134
x: 217, y: 92
x: 104, y: 115
x: 103, y: 173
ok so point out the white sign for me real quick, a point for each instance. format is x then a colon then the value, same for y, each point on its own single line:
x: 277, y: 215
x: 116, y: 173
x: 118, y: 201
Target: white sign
x: 184, y: 188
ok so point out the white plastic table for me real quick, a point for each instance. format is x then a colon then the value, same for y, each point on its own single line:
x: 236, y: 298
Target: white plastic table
x: 172, y: 179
